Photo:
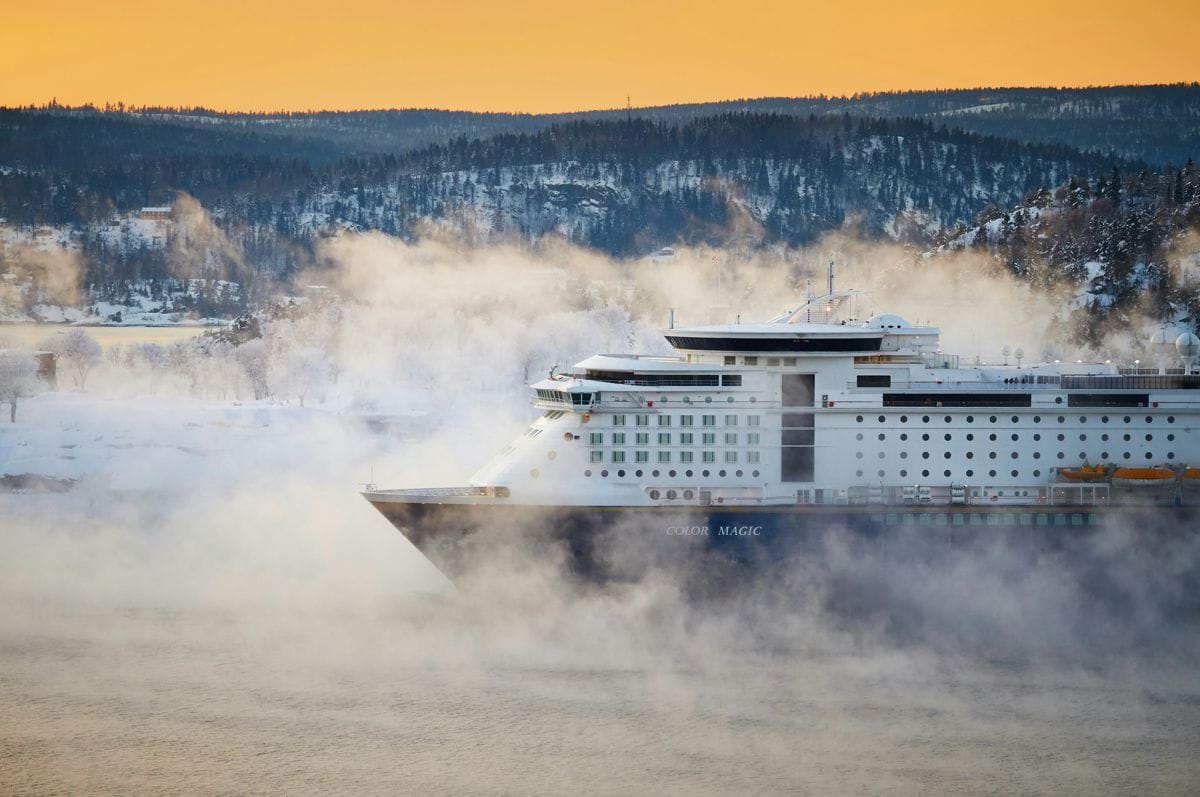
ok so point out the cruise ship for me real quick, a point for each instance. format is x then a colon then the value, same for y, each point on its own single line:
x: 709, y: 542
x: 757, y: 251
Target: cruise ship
x: 752, y: 438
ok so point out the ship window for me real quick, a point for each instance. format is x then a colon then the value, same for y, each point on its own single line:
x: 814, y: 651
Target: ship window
x: 970, y: 473
x: 708, y: 456
x: 654, y: 494
x: 730, y: 359
x: 641, y: 456
x: 642, y: 420
x: 597, y: 456
x: 664, y: 420
x: 991, y: 473
x: 664, y: 438
x: 799, y: 390
x: 685, y: 456
x: 731, y: 420
x: 732, y: 380
x: 924, y: 473
x: 685, y: 438
x: 873, y: 380
x: 752, y: 420
x: 708, y: 439
x: 596, y: 438
x: 618, y: 456
x: 685, y: 420
x: 604, y: 473
x: 709, y: 420
x: 948, y: 437
x: 664, y: 456
x: 773, y: 361
x: 618, y: 438
x: 731, y: 438
x: 642, y: 439
x: 750, y: 360
x: 731, y: 456
x: 618, y: 420
x: 752, y: 457
x: 903, y: 473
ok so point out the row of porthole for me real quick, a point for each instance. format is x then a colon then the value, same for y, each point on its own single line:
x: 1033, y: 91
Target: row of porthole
x: 1017, y: 419
x: 672, y: 495
x: 946, y: 473
x: 707, y: 400
x: 1014, y: 455
x: 1036, y: 437
x: 687, y: 473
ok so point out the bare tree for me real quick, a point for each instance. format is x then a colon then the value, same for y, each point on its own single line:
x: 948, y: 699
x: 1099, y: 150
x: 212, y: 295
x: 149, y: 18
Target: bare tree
x: 77, y: 350
x: 18, y: 378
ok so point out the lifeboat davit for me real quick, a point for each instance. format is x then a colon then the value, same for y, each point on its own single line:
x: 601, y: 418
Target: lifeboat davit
x: 1086, y: 473
x: 1143, y: 477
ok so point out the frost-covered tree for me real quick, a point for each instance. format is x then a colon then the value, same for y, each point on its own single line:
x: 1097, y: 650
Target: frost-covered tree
x: 255, y: 359
x: 77, y: 351
x: 18, y: 378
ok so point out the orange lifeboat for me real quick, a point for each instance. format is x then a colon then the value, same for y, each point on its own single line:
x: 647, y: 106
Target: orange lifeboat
x: 1143, y: 477
x: 1191, y: 478
x: 1086, y: 473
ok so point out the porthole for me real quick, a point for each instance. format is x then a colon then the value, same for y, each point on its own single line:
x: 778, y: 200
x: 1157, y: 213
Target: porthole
x: 991, y: 455
x: 1125, y: 455
x: 946, y: 473
x: 1037, y: 437
x: 1170, y: 437
x: 671, y: 495
x: 970, y: 455
x: 992, y: 473
x: 1170, y: 455
x: 858, y: 419
x: 1058, y: 399
x: 687, y: 473
x: 1149, y: 437
x: 704, y: 473
x: 1037, y: 418
x: 1104, y: 455
x: 924, y: 419
x: 924, y: 455
x: 587, y: 473
x: 858, y: 473
x: 1037, y: 454
x: 970, y: 473
x: 1037, y: 473
x: 721, y: 474
x: 992, y: 419
x: 754, y: 474
x: 1015, y: 455
x: 946, y: 455
x: 1104, y: 419
x: 620, y: 474
x: 568, y: 436
x: 654, y: 473
x: 753, y: 399
x: 738, y: 474
x: 903, y: 455
x: 1170, y: 419
x: 903, y: 474
x: 925, y: 473
x: 925, y: 437
x: 970, y: 437
x: 1149, y: 419
x: 1127, y: 419
x: 947, y: 419
x: 903, y: 419
x: 671, y: 473
x: 1014, y: 473
x: 535, y: 473
x: 882, y: 418
x: 687, y: 399
x: 970, y: 419
x: 992, y: 437
x: 1016, y: 419
x: 882, y: 436
x: 1062, y: 419
x: 882, y: 455
x: 637, y: 473
x: 604, y: 473
x: 1126, y: 438
x: 904, y: 436
x: 1016, y: 437
x: 729, y: 399
x: 1061, y: 455
x: 688, y: 494
x: 654, y: 494
x: 1083, y: 437
x: 947, y: 438
x: 858, y: 455
x: 858, y: 436
x: 1083, y: 419
x: 1062, y: 437
x: 1149, y: 455
x: 1104, y: 437
x: 1082, y: 455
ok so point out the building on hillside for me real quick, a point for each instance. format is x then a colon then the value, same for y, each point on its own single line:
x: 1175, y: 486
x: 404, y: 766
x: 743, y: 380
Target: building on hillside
x: 159, y: 213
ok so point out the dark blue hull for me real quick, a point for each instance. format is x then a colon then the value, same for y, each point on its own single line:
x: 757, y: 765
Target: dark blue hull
x: 622, y: 542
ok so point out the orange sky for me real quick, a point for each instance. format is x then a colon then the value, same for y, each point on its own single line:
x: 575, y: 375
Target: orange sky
x: 530, y: 55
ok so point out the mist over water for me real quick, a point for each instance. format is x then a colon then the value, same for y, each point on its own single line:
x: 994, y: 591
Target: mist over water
x: 213, y: 608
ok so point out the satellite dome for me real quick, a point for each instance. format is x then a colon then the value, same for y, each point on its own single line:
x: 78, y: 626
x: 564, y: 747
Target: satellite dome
x: 1159, y: 338
x: 1188, y: 345
x: 887, y: 321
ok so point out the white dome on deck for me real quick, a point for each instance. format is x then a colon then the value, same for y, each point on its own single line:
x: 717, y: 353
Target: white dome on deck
x: 887, y: 321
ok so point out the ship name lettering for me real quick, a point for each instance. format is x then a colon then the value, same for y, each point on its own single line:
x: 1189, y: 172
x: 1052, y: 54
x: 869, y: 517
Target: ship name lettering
x: 687, y: 531
x: 739, y: 531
